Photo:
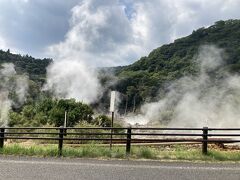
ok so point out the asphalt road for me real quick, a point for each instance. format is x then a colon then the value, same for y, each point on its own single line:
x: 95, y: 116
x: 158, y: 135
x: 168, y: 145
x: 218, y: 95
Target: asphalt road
x: 50, y: 168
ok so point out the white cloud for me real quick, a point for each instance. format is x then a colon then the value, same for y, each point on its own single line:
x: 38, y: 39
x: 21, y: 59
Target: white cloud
x: 99, y: 32
x: 31, y: 25
x: 5, y: 46
x: 2, y: 43
x: 162, y: 21
x: 105, y: 35
x: 110, y: 31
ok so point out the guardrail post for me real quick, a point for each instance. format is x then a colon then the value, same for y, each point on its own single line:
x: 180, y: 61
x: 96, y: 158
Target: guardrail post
x: 2, y: 137
x: 128, y: 145
x: 111, y: 131
x: 65, y: 132
x: 60, y: 142
x: 205, y: 138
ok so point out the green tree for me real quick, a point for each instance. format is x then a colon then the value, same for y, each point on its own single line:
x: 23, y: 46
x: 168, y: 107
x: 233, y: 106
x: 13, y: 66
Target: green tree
x: 76, y: 112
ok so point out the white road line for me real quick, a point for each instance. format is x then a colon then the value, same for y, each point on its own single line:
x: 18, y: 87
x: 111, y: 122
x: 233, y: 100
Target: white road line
x: 122, y: 166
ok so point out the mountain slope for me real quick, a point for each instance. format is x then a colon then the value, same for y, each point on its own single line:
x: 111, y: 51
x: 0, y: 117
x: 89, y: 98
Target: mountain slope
x: 145, y: 79
x: 34, y: 69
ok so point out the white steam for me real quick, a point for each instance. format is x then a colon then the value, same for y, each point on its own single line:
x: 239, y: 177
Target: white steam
x: 209, y: 99
x: 73, y: 79
x: 12, y: 85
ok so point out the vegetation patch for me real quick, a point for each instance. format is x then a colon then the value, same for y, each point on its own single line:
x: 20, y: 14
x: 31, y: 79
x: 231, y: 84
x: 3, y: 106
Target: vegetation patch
x: 97, y: 151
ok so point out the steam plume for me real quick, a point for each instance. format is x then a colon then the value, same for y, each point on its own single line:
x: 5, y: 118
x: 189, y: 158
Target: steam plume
x: 209, y: 99
x: 73, y: 79
x: 12, y: 85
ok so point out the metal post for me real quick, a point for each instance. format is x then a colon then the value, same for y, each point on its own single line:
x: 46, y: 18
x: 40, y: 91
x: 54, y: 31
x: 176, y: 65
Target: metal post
x: 65, y: 124
x: 111, y: 130
x: 60, y: 143
x: 2, y: 137
x: 205, y: 138
x: 128, y: 145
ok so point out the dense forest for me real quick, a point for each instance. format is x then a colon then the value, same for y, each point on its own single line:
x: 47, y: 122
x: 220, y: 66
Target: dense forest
x: 34, y: 69
x: 147, y: 79
x: 143, y: 81
x: 40, y: 108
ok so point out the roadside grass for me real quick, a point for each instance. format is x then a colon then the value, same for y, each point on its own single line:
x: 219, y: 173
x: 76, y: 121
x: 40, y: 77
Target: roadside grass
x: 144, y: 152
x: 33, y: 150
x: 95, y: 151
x: 90, y: 151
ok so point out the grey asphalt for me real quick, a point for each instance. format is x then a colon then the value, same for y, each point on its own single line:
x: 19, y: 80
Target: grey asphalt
x: 63, y: 168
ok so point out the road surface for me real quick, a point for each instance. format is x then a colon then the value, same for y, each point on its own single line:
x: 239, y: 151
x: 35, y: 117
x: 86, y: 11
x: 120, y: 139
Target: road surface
x: 63, y: 168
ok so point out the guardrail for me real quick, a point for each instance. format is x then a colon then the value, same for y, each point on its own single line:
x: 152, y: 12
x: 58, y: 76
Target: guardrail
x: 127, y: 136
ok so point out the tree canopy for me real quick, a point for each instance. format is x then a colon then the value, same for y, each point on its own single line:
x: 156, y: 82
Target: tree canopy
x: 52, y: 112
x: 147, y: 79
x: 143, y: 81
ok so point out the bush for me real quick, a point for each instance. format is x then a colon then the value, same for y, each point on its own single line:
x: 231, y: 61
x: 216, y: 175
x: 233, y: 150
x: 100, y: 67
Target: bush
x: 103, y: 121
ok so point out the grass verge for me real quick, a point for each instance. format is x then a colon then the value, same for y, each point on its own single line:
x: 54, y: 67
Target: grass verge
x: 94, y: 151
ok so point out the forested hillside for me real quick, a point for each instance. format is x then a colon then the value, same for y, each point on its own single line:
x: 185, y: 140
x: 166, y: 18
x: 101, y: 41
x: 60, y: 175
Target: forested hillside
x: 39, y: 108
x: 35, y: 68
x: 145, y: 79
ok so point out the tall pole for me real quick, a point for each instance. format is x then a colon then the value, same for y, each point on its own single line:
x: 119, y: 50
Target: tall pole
x: 65, y: 120
x: 65, y: 124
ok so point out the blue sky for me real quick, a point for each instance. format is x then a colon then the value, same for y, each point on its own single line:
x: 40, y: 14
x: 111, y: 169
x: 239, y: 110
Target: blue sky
x: 103, y: 32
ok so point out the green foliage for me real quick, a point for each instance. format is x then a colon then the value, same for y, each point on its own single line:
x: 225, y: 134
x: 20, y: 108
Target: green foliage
x: 35, y: 68
x: 146, y: 153
x: 16, y: 149
x: 26, y: 65
x: 76, y: 112
x: 90, y: 150
x: 101, y: 151
x: 103, y: 121
x: 52, y: 111
x: 143, y: 80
